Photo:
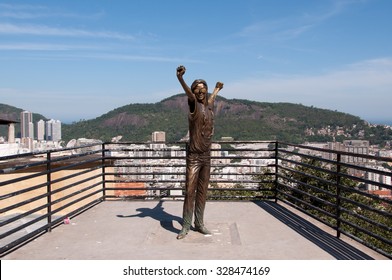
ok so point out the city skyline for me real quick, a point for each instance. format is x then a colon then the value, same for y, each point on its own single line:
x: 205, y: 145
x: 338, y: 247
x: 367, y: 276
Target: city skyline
x: 72, y: 60
x: 49, y: 130
x: 384, y: 122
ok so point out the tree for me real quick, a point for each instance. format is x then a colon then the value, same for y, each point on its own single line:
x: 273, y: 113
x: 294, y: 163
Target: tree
x: 318, y: 189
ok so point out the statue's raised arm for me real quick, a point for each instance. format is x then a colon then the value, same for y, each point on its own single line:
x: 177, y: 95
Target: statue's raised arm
x: 180, y: 73
x: 218, y: 87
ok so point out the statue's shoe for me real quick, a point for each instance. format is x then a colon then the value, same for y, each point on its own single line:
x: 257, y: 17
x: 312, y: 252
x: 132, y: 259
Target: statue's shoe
x: 203, y: 230
x: 183, y: 233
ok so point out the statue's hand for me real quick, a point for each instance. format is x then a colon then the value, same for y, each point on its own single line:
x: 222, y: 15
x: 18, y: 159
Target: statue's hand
x: 219, y: 85
x: 181, y: 70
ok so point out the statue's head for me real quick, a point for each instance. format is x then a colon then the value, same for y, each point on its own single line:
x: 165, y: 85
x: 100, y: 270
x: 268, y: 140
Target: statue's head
x: 200, y: 89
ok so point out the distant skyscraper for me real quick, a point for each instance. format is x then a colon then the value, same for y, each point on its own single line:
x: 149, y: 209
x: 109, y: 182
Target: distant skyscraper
x: 53, y: 130
x: 41, y: 130
x: 26, y: 125
x: 31, y: 131
x: 56, y: 131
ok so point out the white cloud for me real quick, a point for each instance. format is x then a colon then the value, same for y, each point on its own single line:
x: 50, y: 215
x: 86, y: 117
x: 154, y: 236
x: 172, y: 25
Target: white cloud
x: 43, y: 30
x: 363, y: 89
x: 146, y: 58
x: 64, y: 106
x: 293, y: 26
x: 46, y: 47
x: 26, y: 12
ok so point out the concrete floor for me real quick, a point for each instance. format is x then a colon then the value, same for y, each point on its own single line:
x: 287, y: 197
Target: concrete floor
x: 147, y: 230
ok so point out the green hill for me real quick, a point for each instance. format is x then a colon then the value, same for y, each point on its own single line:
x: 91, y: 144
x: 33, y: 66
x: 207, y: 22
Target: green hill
x: 240, y: 119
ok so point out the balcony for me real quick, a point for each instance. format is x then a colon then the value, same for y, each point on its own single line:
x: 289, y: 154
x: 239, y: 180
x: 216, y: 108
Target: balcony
x: 267, y: 200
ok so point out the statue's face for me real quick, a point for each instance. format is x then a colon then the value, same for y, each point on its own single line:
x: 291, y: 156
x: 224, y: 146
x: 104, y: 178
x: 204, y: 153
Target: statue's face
x: 200, y: 91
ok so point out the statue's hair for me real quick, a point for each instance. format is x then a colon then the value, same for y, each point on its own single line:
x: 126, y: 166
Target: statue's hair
x: 199, y: 81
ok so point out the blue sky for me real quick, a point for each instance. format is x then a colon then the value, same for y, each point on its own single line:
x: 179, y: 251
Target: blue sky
x: 72, y: 60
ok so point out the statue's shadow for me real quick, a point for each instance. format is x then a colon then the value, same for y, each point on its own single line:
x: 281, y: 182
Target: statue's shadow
x: 157, y: 213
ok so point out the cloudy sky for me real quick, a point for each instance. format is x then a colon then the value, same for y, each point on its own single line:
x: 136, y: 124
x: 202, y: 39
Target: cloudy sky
x: 72, y: 59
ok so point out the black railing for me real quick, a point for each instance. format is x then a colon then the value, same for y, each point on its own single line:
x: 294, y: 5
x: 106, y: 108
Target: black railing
x: 349, y: 192
x: 158, y: 170
x: 38, y: 191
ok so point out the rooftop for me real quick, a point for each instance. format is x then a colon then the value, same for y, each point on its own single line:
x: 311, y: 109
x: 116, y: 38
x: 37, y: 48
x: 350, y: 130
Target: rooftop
x: 6, y: 121
x: 147, y: 230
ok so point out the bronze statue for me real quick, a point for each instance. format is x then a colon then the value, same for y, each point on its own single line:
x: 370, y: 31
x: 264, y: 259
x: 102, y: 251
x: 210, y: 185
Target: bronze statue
x: 198, y: 158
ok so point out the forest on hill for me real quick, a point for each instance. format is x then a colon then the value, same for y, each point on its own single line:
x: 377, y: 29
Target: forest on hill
x: 236, y: 118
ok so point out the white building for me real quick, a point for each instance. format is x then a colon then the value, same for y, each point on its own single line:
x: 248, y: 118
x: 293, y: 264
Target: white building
x: 53, y: 130
x: 7, y: 149
x: 158, y: 136
x: 26, y: 125
x: 379, y: 178
x: 41, y: 130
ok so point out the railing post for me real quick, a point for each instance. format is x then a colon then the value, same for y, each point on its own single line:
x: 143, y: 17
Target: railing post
x: 49, y: 190
x: 103, y: 172
x: 338, y: 189
x: 276, y: 172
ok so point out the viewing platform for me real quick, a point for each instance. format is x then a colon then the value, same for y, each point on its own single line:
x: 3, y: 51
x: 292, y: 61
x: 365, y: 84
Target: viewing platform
x: 147, y: 230
x: 266, y: 200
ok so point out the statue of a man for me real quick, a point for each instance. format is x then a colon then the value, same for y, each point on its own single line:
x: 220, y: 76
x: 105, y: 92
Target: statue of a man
x: 198, y: 159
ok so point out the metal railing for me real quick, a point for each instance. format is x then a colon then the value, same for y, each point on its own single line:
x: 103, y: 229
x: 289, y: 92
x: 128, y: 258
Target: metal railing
x: 346, y: 191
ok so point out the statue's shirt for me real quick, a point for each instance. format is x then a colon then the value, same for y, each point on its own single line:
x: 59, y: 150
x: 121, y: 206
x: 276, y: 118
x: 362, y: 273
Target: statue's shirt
x: 201, y: 127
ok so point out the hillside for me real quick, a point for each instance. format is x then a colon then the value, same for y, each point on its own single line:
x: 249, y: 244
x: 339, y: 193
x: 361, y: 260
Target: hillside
x: 240, y: 119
